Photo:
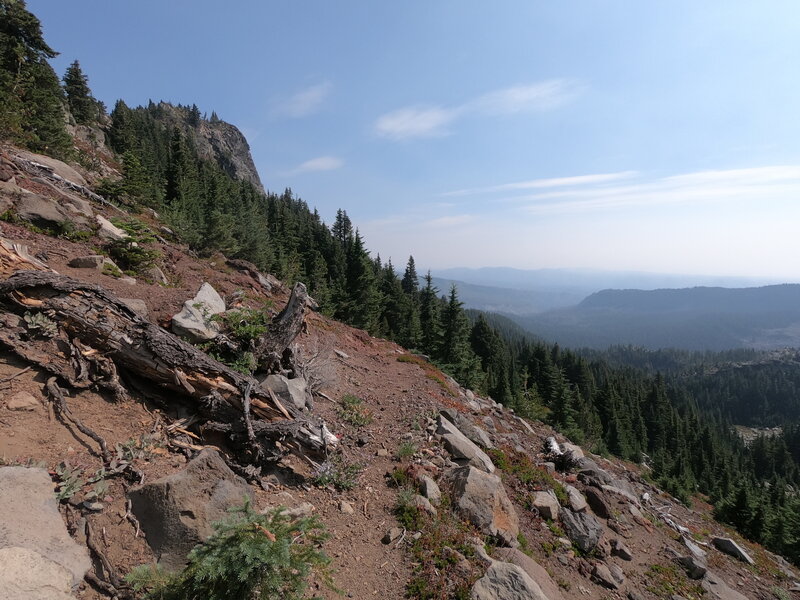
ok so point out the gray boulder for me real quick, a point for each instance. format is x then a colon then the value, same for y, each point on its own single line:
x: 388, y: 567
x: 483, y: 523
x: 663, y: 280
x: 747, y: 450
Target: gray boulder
x: 618, y: 548
x: 534, y: 570
x: 465, y: 425
x: 504, y: 581
x: 462, y: 449
x: 30, y: 520
x: 176, y: 512
x: 291, y: 391
x: 695, y: 567
x: 576, y: 500
x: 41, y: 211
x: 430, y: 489
x: 728, y: 546
x: 27, y: 575
x: 193, y: 322
x: 599, y: 503
x: 602, y: 575
x: 92, y: 261
x: 136, y: 305
x: 583, y: 529
x: 481, y: 498
x: 547, y: 505
x: 719, y: 590
x: 107, y: 230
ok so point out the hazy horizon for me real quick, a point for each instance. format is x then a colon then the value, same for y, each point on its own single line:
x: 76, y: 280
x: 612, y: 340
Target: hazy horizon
x: 625, y: 136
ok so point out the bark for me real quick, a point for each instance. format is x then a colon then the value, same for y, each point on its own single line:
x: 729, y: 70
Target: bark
x: 273, y: 349
x: 98, y: 335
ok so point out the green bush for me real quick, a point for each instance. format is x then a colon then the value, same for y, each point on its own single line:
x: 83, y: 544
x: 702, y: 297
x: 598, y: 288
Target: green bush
x: 134, y: 253
x: 352, y: 411
x: 248, y: 556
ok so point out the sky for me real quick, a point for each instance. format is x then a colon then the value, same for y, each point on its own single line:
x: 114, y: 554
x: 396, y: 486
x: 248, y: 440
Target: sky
x: 616, y: 135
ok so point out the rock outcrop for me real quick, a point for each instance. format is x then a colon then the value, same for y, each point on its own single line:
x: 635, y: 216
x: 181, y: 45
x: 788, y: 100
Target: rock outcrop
x: 461, y: 448
x: 582, y: 528
x: 176, y: 512
x: 481, y: 498
x: 504, y: 581
x: 29, y: 520
x: 193, y: 322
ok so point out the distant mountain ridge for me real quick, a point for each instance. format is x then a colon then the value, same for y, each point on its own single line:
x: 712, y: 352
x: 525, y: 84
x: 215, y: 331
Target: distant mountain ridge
x: 700, y: 318
x: 783, y: 297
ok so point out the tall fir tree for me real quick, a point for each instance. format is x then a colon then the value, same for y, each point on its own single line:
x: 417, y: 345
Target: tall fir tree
x: 82, y: 105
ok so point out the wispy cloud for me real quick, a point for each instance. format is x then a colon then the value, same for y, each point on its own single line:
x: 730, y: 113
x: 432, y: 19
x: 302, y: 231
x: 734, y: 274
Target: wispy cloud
x: 321, y: 163
x: 433, y: 121
x: 415, y: 122
x: 755, y: 185
x: 577, y: 180
x: 545, y: 95
x: 304, y: 102
x: 449, y: 221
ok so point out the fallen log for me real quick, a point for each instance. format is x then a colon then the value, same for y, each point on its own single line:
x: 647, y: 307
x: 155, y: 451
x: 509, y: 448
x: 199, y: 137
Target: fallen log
x: 97, y: 335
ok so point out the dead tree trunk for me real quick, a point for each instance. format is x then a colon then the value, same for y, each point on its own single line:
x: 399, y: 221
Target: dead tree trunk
x: 97, y: 334
x: 273, y: 349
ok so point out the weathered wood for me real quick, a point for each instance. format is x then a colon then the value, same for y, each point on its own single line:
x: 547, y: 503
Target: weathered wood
x: 14, y: 257
x: 273, y: 349
x: 98, y: 325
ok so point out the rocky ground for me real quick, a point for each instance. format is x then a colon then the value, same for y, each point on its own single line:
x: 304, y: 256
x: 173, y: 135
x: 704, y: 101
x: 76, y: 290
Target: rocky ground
x: 432, y: 489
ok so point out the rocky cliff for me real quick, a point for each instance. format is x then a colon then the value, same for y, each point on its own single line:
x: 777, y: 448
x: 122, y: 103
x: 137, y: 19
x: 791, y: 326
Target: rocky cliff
x: 215, y: 140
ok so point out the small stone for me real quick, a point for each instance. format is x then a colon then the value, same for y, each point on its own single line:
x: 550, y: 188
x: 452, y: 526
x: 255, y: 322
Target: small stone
x: 430, y: 489
x: 382, y: 452
x: 92, y: 261
x: 617, y: 574
x: 424, y: 504
x: 393, y: 534
x: 621, y: 550
x: 603, y: 576
x: 340, y: 354
x: 22, y: 401
x: 108, y: 230
x: 547, y: 505
x: 346, y: 508
x: 94, y: 506
x: 728, y: 546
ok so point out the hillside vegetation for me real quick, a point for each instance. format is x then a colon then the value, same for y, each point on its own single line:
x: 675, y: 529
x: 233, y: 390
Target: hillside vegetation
x: 181, y: 202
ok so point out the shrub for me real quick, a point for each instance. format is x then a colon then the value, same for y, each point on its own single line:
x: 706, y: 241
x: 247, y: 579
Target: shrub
x: 248, y: 556
x: 245, y: 325
x: 134, y: 253
x: 352, y: 411
x: 337, y: 472
x: 406, y: 450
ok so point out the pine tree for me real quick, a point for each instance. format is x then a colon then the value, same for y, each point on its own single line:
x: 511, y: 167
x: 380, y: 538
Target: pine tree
x: 31, y: 99
x: 429, y: 317
x: 410, y: 280
x: 83, y: 107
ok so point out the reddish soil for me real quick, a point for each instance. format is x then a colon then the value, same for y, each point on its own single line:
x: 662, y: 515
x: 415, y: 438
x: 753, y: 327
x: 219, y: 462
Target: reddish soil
x: 397, y: 395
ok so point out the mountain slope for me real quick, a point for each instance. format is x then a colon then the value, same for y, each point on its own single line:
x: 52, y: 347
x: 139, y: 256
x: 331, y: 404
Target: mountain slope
x: 695, y: 319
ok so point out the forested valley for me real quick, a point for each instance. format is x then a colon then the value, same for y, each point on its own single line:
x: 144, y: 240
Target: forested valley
x: 671, y: 411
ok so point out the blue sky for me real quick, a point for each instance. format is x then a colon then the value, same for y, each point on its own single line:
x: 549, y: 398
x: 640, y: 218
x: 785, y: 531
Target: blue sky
x: 615, y: 135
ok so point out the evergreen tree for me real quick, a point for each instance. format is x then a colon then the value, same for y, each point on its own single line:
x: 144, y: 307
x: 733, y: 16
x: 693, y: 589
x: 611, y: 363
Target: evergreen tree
x: 31, y: 99
x: 429, y: 316
x: 83, y: 107
x: 410, y: 280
